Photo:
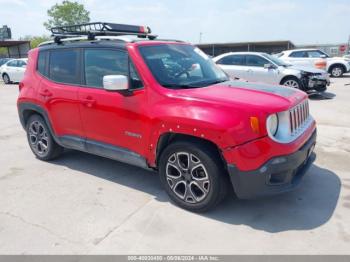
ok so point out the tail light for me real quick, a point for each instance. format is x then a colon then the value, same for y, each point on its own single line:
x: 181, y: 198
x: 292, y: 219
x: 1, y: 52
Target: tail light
x: 20, y: 86
x: 321, y: 64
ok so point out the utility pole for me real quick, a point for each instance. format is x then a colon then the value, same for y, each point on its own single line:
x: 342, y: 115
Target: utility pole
x: 200, y: 37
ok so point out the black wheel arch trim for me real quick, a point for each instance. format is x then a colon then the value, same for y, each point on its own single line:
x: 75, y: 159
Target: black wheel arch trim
x: 82, y: 144
x: 27, y: 106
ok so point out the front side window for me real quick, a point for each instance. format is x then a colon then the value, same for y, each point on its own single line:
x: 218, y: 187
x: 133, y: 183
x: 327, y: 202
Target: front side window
x: 181, y: 66
x: 21, y: 63
x: 99, y: 63
x: 315, y: 54
x: 232, y: 60
x: 254, y: 60
x: 64, y: 66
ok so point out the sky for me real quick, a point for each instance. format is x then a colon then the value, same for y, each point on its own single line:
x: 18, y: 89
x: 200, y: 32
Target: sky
x: 302, y: 22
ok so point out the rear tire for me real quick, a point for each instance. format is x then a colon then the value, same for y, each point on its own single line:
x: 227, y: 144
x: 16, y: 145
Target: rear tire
x: 292, y: 82
x: 40, y: 139
x: 193, y: 175
x: 6, y: 79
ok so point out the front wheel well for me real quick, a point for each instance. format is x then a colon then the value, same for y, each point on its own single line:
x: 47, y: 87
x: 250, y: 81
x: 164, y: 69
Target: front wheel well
x: 337, y: 65
x: 288, y: 77
x: 168, y: 138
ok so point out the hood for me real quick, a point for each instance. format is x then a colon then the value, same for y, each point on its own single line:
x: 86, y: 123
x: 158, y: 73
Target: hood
x: 247, y: 96
x: 308, y: 69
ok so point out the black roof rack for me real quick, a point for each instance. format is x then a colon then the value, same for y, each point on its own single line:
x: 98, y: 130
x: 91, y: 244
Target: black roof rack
x: 100, y: 29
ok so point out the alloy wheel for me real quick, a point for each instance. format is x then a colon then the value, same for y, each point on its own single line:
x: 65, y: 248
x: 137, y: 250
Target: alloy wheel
x: 337, y: 71
x: 292, y: 83
x: 6, y: 79
x: 187, y: 177
x: 38, y: 138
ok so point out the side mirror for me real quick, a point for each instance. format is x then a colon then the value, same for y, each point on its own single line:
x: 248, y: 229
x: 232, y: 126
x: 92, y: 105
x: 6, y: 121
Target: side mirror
x: 115, y: 82
x: 323, y: 56
x: 269, y: 66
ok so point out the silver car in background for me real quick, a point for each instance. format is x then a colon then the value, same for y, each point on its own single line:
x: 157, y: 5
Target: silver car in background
x: 262, y: 67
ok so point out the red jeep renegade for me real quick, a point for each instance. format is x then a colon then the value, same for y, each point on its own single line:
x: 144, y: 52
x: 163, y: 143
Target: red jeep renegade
x: 164, y: 105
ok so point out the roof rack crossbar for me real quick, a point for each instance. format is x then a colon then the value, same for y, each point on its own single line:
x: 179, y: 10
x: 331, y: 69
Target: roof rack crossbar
x: 100, y: 29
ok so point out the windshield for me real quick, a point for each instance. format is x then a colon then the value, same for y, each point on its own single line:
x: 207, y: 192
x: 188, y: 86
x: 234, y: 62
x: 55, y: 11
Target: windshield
x: 275, y: 60
x: 181, y: 66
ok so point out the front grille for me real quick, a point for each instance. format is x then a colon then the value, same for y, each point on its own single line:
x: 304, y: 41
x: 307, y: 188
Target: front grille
x: 298, y: 116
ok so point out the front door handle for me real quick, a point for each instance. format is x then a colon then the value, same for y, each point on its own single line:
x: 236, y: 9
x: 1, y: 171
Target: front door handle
x: 88, y: 101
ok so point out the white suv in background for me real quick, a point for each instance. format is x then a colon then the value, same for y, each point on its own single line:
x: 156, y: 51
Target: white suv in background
x: 13, y: 70
x: 336, y: 66
x: 262, y: 67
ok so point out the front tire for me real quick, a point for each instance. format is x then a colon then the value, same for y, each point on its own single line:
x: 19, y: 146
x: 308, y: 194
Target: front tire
x: 40, y: 139
x: 292, y: 82
x: 6, y: 79
x: 193, y: 175
x: 337, y: 71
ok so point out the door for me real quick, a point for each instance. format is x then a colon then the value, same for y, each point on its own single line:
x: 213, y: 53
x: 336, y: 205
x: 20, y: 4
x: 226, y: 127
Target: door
x: 21, y: 68
x: 234, y: 65
x: 112, y: 119
x: 11, y: 70
x: 299, y: 58
x: 256, y: 71
x: 58, y: 91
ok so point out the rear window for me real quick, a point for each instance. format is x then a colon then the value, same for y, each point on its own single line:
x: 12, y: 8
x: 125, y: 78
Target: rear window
x: 64, y: 66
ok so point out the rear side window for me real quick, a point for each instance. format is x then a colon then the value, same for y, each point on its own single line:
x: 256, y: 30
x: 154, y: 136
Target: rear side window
x: 298, y: 54
x: 232, y: 60
x: 42, y: 63
x: 64, y: 66
x: 99, y: 63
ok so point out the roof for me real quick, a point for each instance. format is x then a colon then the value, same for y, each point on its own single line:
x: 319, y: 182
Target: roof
x: 113, y: 42
x: 303, y: 49
x: 279, y: 42
x: 9, y: 43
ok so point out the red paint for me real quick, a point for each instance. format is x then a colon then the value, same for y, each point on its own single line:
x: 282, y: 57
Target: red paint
x: 219, y: 113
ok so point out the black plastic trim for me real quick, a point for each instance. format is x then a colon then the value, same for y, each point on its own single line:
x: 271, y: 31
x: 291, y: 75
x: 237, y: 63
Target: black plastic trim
x: 256, y: 183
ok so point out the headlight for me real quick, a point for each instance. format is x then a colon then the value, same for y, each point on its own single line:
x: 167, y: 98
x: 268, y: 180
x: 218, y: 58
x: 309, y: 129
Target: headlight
x: 272, y: 124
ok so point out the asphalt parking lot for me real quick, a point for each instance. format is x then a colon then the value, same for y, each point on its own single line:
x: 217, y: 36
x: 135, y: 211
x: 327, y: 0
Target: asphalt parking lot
x: 84, y: 204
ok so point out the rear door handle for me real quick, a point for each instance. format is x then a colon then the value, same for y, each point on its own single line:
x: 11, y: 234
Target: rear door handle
x: 88, y: 101
x: 45, y: 93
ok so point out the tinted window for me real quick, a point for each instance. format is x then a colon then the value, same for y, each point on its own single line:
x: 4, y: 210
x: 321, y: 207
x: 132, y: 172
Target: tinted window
x: 42, y: 63
x: 135, y: 79
x: 12, y: 63
x: 181, y: 66
x: 99, y: 63
x: 232, y: 60
x: 315, y: 54
x: 298, y: 54
x: 254, y: 60
x: 64, y: 66
x: 21, y: 63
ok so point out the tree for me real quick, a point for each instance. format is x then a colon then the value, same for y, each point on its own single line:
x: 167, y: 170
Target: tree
x: 67, y: 13
x: 35, y: 40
